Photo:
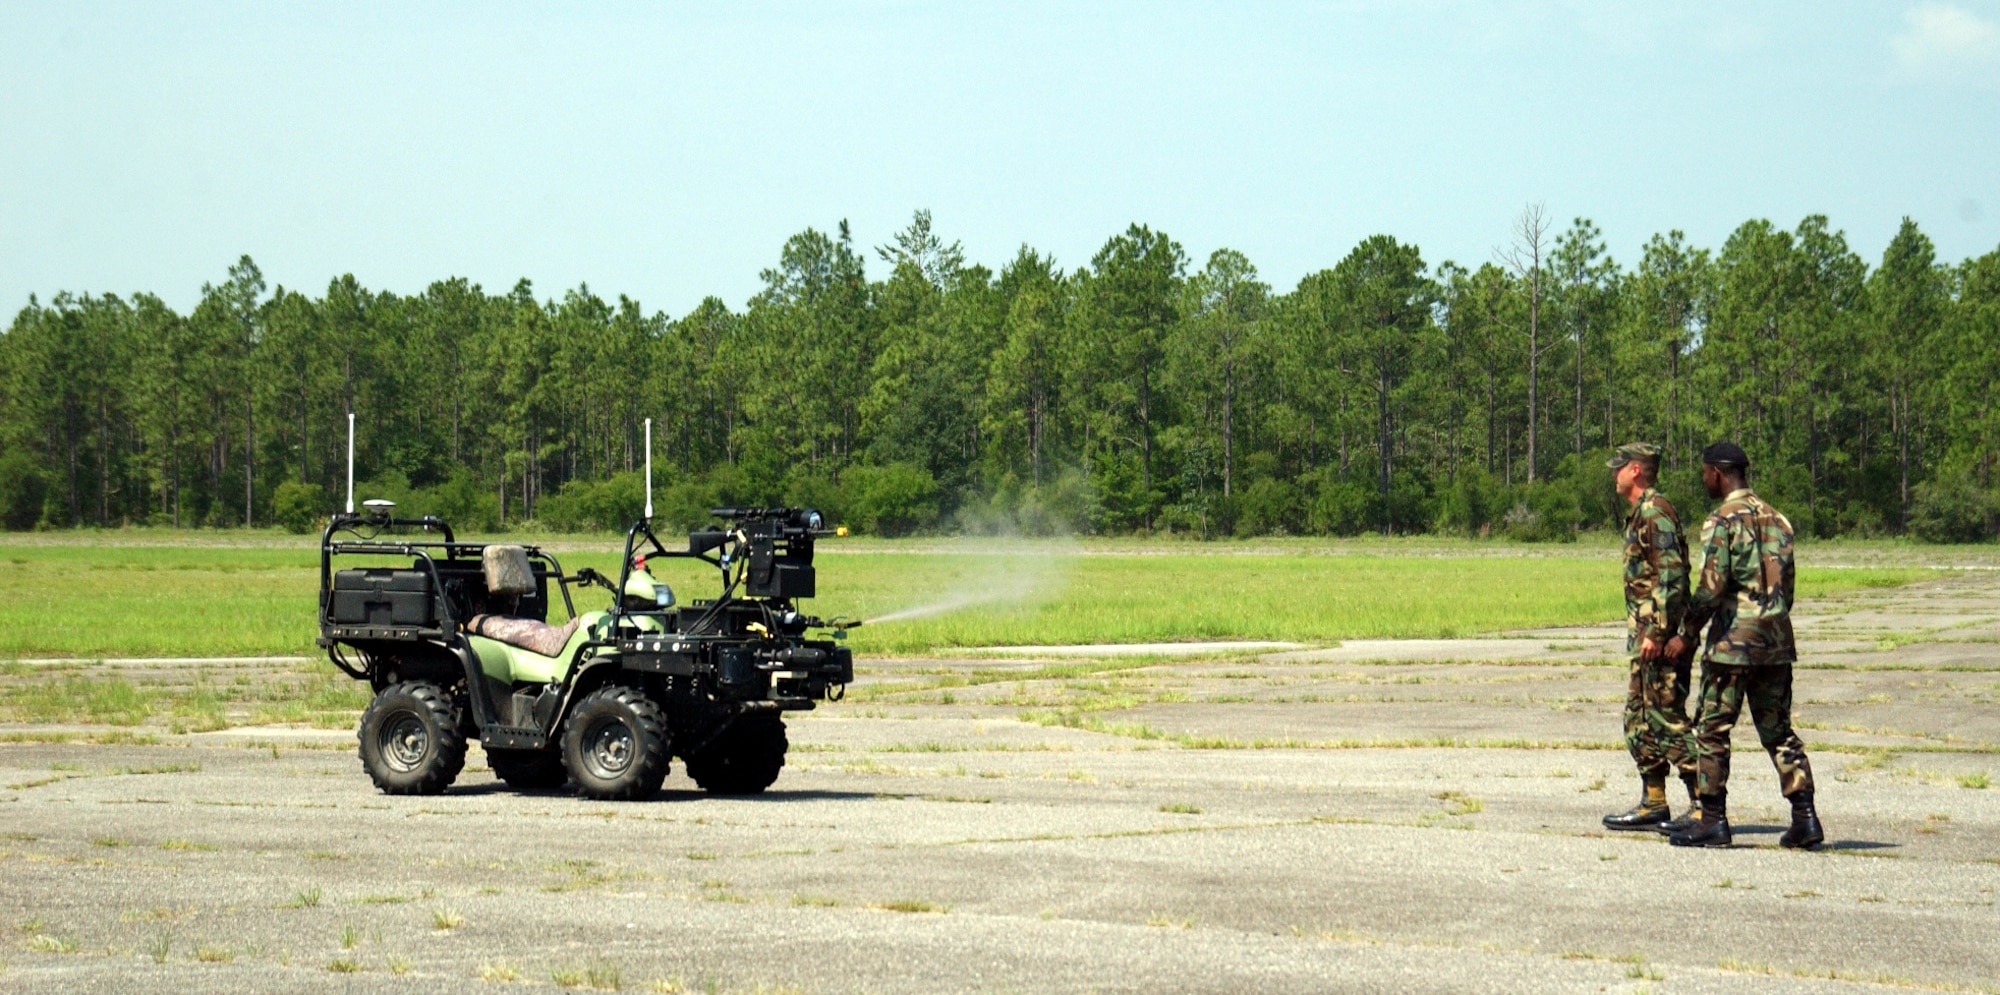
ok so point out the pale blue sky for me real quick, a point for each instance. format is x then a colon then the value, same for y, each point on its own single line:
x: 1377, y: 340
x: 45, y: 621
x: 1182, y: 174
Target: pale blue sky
x: 667, y: 151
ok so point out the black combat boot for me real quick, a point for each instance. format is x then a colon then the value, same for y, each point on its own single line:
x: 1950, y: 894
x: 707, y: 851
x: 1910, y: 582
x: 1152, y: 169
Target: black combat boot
x: 1711, y: 830
x: 1806, y: 832
x: 1689, y: 815
x: 1650, y: 813
x: 1639, y: 817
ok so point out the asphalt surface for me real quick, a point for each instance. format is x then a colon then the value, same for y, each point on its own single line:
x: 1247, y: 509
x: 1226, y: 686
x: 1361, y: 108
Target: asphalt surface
x: 1369, y: 818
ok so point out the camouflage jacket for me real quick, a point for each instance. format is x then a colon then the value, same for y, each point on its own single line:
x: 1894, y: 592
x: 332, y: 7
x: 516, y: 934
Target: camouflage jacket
x: 1746, y: 584
x: 1656, y: 570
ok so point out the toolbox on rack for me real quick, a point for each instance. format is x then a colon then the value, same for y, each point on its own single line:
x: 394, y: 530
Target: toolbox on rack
x: 383, y: 597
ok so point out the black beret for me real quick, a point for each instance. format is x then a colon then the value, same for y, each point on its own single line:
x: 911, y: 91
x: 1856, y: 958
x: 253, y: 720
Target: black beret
x: 1726, y: 454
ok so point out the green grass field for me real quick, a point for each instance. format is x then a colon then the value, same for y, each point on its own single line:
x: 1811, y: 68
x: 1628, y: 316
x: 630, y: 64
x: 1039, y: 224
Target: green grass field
x: 93, y: 595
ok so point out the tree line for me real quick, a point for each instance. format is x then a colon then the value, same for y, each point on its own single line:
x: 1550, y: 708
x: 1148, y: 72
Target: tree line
x: 1142, y: 391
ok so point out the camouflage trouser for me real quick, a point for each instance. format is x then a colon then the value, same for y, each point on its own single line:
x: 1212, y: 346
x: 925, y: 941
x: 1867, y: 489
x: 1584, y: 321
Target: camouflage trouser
x: 1768, y: 690
x: 1657, y: 730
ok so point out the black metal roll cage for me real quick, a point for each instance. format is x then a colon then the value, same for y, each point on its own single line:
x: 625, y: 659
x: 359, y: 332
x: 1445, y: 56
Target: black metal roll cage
x: 367, y: 528
x: 728, y: 542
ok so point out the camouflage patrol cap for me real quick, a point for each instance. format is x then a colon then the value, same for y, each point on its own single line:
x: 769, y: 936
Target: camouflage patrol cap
x: 1634, y: 452
x: 1726, y: 454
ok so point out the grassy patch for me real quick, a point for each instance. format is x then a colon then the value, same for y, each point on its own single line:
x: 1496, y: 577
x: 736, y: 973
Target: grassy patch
x: 197, y: 703
x: 912, y: 905
x: 1072, y: 718
x: 499, y: 970
x: 596, y: 975
x: 1460, y: 803
x: 178, y: 598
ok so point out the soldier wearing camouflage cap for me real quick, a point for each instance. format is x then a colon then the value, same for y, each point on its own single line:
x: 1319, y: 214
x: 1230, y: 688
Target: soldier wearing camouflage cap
x: 1656, y: 590
x: 1745, y: 588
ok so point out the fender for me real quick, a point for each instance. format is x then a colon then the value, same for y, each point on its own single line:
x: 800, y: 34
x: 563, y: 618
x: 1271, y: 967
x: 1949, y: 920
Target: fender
x: 588, y: 673
x: 484, y: 712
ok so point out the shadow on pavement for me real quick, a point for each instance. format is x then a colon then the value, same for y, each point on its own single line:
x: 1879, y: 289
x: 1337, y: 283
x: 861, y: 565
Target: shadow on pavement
x: 1859, y: 845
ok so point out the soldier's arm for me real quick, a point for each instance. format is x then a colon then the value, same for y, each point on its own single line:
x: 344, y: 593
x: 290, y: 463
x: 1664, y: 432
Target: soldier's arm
x: 1643, y: 587
x: 1670, y: 580
x: 1706, y: 593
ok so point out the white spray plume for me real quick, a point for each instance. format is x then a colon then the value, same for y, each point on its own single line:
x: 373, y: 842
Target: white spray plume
x: 1008, y: 574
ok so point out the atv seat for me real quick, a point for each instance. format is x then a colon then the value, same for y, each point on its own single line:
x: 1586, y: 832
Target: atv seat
x: 536, y: 637
x: 508, y: 573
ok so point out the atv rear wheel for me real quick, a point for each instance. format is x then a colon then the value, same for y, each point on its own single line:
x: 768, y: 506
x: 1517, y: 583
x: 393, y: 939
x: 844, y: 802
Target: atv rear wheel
x: 744, y: 759
x: 528, y: 770
x: 410, y: 743
x: 615, y: 745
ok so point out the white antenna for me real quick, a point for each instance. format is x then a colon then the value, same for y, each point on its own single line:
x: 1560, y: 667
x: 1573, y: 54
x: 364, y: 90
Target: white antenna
x: 649, y: 469
x: 350, y: 462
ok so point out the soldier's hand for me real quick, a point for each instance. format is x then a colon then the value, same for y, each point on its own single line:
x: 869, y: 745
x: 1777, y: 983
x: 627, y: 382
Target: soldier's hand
x: 1649, y: 649
x: 1677, y: 647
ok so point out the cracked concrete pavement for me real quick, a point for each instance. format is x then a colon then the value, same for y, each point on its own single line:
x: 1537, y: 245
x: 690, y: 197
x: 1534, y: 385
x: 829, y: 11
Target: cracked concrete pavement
x: 1384, y: 816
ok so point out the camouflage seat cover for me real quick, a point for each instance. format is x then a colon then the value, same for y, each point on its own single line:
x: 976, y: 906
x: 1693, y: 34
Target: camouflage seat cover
x: 526, y: 633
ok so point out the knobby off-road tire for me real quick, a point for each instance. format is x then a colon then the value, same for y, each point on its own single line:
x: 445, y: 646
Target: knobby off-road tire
x: 528, y: 770
x: 744, y: 760
x: 615, y: 745
x: 410, y: 741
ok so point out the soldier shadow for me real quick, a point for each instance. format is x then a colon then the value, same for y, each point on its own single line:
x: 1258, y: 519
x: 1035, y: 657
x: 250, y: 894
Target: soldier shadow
x: 1754, y: 830
x: 1850, y: 845
x: 1859, y: 845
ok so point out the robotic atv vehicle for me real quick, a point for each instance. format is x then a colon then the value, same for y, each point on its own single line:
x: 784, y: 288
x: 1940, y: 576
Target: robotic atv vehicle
x: 454, y: 638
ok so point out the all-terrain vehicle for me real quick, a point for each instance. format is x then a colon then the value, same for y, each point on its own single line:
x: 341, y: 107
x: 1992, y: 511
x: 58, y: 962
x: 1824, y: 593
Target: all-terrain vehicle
x: 456, y: 641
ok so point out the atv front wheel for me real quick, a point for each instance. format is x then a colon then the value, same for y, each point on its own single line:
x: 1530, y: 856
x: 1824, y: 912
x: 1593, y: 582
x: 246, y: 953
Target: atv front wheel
x: 744, y: 760
x: 615, y: 745
x: 528, y: 770
x: 410, y: 743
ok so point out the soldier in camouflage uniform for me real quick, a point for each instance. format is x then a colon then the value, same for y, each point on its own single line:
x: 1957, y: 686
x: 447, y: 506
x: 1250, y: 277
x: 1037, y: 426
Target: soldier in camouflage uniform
x: 1656, y: 587
x: 1746, y: 588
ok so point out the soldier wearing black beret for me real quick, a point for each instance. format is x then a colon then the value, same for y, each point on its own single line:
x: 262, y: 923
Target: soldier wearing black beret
x: 1745, y: 589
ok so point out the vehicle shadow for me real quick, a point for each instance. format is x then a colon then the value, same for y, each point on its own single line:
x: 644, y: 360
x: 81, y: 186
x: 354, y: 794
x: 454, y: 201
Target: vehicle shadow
x: 666, y: 794
x: 768, y: 795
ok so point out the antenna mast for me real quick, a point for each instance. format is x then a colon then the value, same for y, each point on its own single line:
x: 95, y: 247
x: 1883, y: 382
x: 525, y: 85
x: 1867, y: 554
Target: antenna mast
x: 649, y: 469
x: 350, y: 462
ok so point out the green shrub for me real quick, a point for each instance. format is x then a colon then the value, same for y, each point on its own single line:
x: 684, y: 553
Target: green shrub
x: 1267, y: 507
x: 587, y: 506
x: 23, y: 488
x: 299, y: 507
x: 890, y: 500
x: 1526, y: 524
x: 1340, y: 506
x: 1952, y: 509
x: 461, y: 501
